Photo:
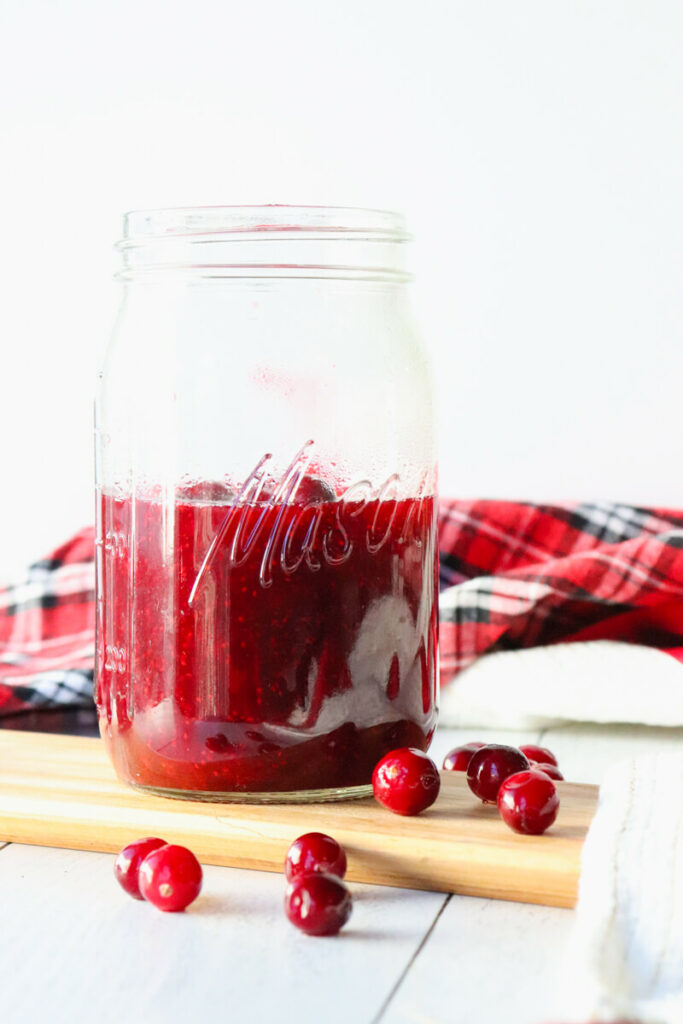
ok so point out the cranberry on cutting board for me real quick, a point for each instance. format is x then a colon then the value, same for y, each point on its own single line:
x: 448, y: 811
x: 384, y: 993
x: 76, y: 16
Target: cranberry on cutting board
x: 406, y: 781
x: 551, y: 770
x: 490, y: 766
x: 458, y: 759
x: 538, y: 755
x: 528, y: 802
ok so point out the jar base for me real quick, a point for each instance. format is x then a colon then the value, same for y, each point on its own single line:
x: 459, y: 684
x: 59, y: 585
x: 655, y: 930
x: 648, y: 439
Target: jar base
x: 299, y: 796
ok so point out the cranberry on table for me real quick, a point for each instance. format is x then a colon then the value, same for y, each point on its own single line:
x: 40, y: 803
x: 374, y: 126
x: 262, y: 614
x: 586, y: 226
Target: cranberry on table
x: 528, y: 802
x: 315, y: 852
x: 406, y: 781
x: 318, y: 904
x: 170, y: 877
x: 550, y: 770
x: 538, y: 755
x: 128, y: 861
x: 490, y: 766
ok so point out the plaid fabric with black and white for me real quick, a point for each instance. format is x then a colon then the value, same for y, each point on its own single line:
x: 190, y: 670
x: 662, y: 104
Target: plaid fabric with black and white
x: 517, y: 575
x: 47, y: 631
x: 513, y: 575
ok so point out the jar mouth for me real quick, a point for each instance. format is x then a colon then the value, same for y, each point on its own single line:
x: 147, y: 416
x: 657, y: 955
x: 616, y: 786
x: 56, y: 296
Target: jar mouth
x: 190, y: 221
x: 266, y: 241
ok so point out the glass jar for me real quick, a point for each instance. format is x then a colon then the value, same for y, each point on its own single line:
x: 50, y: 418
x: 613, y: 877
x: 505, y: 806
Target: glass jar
x: 266, y: 506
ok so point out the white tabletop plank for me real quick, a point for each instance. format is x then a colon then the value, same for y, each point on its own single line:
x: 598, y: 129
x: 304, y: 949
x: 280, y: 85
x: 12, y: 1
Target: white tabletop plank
x: 487, y: 962
x: 586, y: 751
x: 74, y: 947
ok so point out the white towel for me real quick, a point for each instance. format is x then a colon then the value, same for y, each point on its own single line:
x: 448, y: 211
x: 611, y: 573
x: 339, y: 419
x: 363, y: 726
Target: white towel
x: 597, y: 681
x: 626, y: 955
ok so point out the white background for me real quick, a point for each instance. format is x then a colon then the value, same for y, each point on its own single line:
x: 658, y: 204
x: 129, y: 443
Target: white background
x: 536, y: 149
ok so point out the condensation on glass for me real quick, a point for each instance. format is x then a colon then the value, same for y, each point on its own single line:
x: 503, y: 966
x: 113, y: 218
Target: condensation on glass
x: 266, y: 506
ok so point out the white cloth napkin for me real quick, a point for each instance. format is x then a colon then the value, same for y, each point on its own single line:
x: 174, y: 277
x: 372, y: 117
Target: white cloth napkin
x: 626, y: 955
x: 596, y: 681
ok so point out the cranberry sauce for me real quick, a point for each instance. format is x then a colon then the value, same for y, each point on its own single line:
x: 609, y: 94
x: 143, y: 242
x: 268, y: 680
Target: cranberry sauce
x: 264, y: 647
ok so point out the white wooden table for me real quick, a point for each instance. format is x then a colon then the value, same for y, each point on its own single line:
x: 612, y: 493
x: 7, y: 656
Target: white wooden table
x: 74, y: 948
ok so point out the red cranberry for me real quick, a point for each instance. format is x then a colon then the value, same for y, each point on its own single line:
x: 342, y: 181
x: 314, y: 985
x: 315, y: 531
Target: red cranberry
x: 127, y: 864
x: 170, y: 877
x: 315, y: 852
x: 406, y: 781
x: 312, y: 489
x: 490, y: 766
x: 528, y: 802
x: 457, y: 759
x: 551, y: 770
x: 218, y: 744
x: 318, y: 904
x: 538, y: 755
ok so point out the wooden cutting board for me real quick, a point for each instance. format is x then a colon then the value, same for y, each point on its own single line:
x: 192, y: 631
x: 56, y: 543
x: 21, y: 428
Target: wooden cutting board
x: 61, y: 791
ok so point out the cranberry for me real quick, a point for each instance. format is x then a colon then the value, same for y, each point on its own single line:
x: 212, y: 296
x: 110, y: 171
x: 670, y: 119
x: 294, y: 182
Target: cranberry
x: 551, y: 770
x: 315, y: 852
x: 528, y: 802
x: 218, y: 744
x: 406, y: 781
x: 490, y: 766
x: 457, y: 759
x: 318, y: 904
x: 127, y: 864
x: 312, y: 489
x: 538, y: 755
x: 170, y: 877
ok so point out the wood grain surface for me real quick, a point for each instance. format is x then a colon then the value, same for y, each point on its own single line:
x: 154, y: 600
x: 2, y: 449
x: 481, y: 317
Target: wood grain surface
x: 61, y: 791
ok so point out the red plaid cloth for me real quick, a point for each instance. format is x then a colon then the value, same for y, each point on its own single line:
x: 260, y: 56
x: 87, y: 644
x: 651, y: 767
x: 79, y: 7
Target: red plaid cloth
x: 512, y: 575
x: 518, y: 575
x: 47, y: 631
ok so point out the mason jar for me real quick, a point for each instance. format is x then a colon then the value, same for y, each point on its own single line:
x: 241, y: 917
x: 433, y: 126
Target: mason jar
x: 266, y: 506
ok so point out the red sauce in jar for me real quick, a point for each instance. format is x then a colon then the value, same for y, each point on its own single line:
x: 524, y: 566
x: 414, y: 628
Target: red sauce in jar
x: 264, y: 647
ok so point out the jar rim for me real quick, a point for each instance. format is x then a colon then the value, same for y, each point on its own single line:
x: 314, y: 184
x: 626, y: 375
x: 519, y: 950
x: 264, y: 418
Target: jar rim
x: 263, y: 220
